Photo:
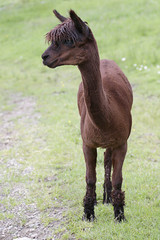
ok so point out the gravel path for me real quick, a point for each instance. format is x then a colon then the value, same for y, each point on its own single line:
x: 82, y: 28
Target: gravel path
x: 21, y: 220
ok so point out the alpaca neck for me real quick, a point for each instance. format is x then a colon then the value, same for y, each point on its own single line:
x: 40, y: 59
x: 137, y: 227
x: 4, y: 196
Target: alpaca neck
x: 95, y: 99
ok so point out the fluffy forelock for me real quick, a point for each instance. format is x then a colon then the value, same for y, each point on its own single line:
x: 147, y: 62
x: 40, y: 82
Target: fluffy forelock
x: 65, y: 31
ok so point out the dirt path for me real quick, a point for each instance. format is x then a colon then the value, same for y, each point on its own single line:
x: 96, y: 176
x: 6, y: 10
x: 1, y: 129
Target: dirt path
x: 22, y: 219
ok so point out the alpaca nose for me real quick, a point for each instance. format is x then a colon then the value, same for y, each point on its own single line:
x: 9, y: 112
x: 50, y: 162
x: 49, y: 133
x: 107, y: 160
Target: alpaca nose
x: 45, y: 56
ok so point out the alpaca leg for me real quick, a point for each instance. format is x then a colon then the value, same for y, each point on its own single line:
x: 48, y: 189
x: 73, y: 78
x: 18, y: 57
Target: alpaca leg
x: 107, y: 181
x: 89, y: 201
x: 118, y: 197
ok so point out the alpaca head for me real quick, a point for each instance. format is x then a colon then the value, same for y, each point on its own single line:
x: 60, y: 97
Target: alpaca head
x: 68, y: 42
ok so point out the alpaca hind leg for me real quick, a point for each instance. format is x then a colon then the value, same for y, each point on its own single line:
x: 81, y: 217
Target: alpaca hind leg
x: 118, y: 197
x: 89, y: 201
x: 107, y: 177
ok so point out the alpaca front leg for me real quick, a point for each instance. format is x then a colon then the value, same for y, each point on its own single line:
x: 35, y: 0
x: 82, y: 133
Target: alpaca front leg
x: 89, y: 201
x: 118, y: 197
x: 107, y: 181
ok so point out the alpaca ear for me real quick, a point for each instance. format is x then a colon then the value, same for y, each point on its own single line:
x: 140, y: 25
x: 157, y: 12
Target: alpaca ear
x: 59, y: 16
x: 79, y: 24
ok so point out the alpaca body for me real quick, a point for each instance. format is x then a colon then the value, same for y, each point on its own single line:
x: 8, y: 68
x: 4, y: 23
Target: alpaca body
x: 117, y: 90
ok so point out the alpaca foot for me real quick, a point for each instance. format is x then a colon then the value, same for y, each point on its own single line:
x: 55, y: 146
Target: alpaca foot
x: 107, y: 200
x: 119, y: 214
x: 88, y: 204
x: 118, y: 201
x: 88, y: 217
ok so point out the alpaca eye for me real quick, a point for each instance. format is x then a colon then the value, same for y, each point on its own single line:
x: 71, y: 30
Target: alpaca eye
x: 55, y: 45
x: 68, y: 42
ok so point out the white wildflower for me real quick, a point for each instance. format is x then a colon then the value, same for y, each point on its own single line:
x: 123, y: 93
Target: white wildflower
x: 123, y: 59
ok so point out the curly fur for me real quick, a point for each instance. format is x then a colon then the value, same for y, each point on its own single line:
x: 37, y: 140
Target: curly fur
x: 88, y: 204
x: 118, y: 201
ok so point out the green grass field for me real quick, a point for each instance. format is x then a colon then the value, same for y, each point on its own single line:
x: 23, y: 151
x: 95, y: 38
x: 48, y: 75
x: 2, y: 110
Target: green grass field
x: 42, y: 169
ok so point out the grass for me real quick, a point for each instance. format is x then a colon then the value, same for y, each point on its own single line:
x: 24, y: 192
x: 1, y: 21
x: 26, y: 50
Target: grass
x: 126, y: 31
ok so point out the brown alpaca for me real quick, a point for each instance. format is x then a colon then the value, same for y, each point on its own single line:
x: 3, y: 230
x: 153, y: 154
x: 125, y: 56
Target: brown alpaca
x: 104, y: 102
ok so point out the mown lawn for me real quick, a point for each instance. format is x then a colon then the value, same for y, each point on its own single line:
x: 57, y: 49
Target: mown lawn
x: 42, y: 169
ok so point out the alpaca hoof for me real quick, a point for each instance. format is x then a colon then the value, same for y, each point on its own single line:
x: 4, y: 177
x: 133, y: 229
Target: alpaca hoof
x: 119, y: 216
x: 88, y: 217
x: 119, y: 219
